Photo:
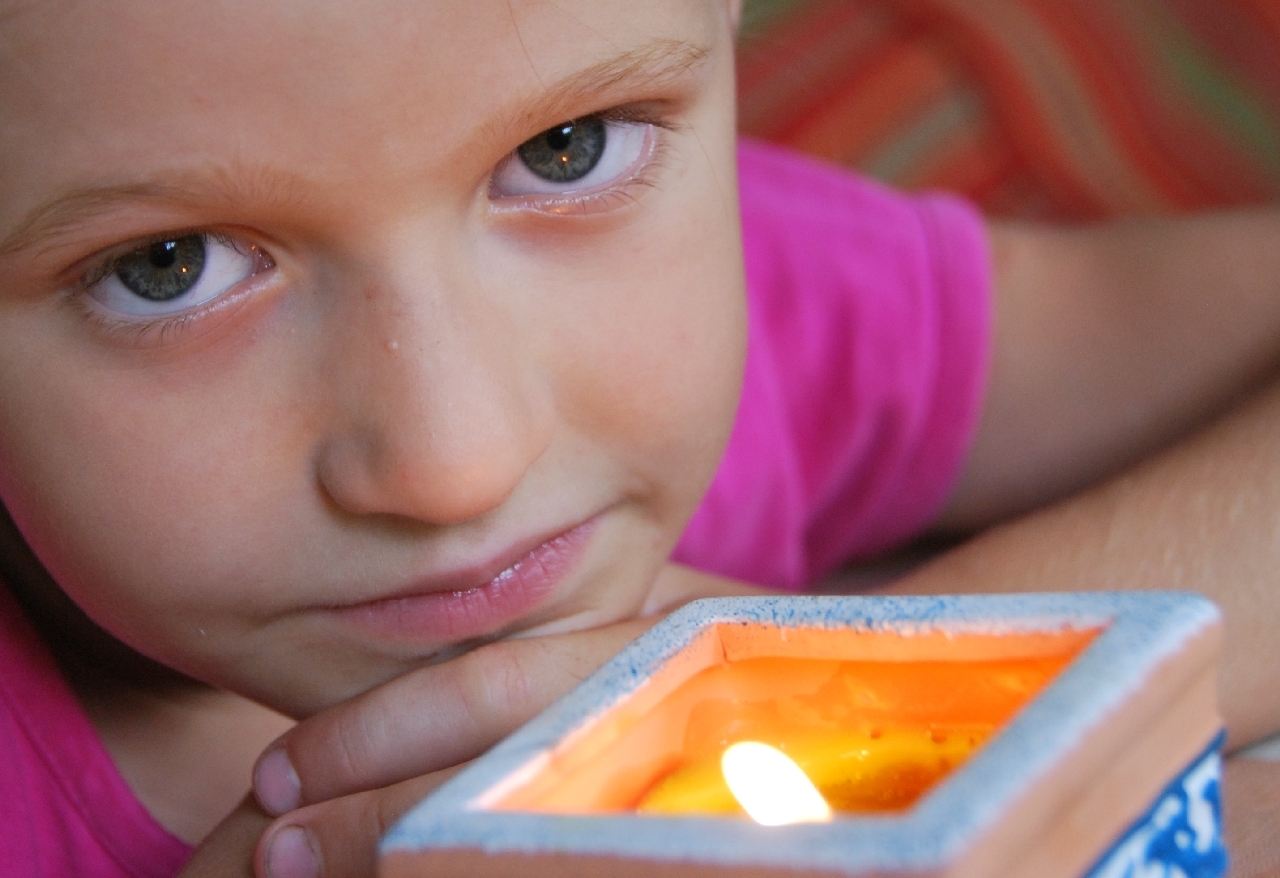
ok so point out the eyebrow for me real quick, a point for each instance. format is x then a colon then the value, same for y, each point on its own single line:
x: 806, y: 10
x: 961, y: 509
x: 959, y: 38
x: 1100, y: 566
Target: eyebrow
x: 652, y: 66
x: 81, y: 205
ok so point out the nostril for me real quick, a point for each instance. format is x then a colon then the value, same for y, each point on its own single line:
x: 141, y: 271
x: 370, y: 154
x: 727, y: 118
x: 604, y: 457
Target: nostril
x: 430, y: 481
x: 343, y: 470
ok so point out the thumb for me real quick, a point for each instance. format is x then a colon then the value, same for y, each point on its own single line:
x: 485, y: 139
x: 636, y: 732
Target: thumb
x: 228, y: 850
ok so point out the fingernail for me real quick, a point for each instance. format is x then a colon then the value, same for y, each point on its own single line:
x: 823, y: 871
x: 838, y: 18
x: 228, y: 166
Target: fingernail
x: 276, y: 784
x: 290, y: 855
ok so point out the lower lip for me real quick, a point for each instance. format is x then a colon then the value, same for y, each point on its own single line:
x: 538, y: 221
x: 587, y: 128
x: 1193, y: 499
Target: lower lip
x: 475, y: 612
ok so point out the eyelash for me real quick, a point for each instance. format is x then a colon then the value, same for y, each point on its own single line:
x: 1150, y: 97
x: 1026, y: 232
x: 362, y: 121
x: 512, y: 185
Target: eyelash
x: 144, y: 331
x: 613, y: 196
x: 104, y: 267
x: 138, y: 333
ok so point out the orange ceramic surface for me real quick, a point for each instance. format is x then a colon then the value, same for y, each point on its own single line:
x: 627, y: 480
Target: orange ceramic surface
x: 875, y: 722
x: 872, y: 736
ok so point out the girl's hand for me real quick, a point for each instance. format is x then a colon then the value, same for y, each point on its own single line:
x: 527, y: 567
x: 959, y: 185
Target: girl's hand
x: 227, y: 852
x: 342, y: 777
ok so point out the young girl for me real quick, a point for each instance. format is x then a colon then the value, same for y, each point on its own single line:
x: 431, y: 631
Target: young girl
x: 364, y: 364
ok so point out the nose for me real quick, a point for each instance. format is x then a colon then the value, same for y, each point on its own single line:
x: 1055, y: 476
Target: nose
x: 440, y: 407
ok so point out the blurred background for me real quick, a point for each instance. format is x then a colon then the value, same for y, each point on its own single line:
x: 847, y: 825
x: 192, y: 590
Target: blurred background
x: 1065, y: 110
x: 1046, y: 109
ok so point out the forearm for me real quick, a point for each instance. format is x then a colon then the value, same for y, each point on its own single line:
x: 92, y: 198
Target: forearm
x: 1203, y: 516
x: 1112, y: 341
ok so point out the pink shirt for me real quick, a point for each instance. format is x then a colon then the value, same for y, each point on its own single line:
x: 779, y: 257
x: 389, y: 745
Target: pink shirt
x: 64, y: 808
x: 869, y: 317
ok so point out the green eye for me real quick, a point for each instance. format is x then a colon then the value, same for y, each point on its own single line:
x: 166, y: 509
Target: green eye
x: 580, y: 159
x: 165, y: 270
x: 565, y: 153
x: 174, y: 274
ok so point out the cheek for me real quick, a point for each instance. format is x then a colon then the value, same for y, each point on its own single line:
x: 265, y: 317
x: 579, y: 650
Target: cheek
x: 652, y: 361
x: 665, y: 326
x: 145, y: 507
x: 671, y: 358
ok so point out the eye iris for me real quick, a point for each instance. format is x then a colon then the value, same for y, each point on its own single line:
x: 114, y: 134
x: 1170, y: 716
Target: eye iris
x: 565, y: 153
x: 164, y: 270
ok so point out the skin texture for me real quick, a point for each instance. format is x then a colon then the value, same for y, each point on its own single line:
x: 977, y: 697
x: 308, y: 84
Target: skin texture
x: 426, y: 376
x: 1111, y: 341
x: 425, y: 379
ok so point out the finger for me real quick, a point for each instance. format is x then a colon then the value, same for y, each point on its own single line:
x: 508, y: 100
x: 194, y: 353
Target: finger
x: 431, y: 718
x: 229, y: 850
x: 338, y: 838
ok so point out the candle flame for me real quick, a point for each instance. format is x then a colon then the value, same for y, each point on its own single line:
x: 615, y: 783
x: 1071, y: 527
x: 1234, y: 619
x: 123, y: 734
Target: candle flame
x: 770, y: 787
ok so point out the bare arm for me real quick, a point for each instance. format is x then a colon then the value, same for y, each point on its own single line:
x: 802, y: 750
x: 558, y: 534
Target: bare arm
x: 1100, y: 358
x: 1204, y: 516
x: 1112, y: 341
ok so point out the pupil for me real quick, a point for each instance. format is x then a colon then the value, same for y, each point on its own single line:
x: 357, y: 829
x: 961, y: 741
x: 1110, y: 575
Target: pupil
x: 560, y: 138
x: 163, y: 255
x: 565, y: 153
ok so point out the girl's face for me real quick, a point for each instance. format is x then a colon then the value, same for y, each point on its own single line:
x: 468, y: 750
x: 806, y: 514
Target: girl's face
x: 337, y: 336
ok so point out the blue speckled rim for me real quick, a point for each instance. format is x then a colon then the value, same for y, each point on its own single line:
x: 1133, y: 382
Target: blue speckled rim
x: 1142, y: 630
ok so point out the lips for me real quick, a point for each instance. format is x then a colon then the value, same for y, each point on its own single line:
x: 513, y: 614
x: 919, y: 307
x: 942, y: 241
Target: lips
x: 432, y: 613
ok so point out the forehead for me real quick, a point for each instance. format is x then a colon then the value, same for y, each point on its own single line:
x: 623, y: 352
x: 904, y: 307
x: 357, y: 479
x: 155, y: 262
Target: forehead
x: 93, y: 90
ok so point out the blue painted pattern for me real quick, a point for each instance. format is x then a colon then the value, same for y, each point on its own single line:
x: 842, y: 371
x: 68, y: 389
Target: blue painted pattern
x: 1181, y: 836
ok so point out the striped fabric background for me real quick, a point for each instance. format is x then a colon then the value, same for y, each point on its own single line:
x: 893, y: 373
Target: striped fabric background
x: 1061, y: 109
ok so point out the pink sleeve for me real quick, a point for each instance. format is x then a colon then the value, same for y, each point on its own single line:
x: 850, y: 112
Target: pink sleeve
x: 869, y: 324
x: 64, y: 808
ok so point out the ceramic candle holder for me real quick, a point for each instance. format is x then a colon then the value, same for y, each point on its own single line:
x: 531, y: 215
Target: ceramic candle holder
x: 1046, y: 736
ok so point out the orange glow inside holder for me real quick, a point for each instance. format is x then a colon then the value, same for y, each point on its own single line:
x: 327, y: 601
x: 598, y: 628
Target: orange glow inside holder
x: 874, y: 718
